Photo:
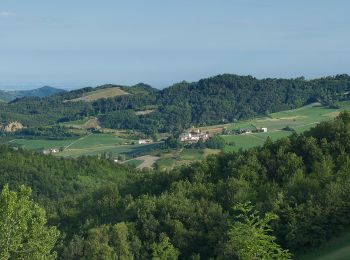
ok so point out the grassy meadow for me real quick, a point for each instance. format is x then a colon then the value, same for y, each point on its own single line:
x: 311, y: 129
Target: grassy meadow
x: 114, y: 143
x: 299, y: 120
x: 101, y: 93
x: 181, y: 157
x: 92, y: 144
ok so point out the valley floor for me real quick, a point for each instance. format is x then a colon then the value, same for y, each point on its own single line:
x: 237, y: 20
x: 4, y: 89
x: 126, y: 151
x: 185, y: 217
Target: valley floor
x: 115, y: 144
x: 298, y: 120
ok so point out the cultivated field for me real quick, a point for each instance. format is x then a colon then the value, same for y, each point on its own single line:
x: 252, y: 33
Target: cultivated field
x: 182, y: 157
x: 101, y: 93
x: 95, y: 144
x: 299, y: 120
x: 35, y: 144
x: 92, y: 144
x: 84, y: 124
x: 115, y: 143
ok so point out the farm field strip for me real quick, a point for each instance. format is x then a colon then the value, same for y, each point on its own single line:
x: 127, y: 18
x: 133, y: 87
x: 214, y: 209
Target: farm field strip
x: 35, y: 144
x: 96, y: 143
x: 65, y: 148
x: 95, y: 151
x: 300, y: 120
x: 101, y: 93
x: 183, y: 157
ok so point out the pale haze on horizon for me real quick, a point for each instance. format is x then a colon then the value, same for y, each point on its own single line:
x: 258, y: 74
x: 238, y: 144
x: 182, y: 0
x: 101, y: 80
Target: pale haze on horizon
x: 88, y: 43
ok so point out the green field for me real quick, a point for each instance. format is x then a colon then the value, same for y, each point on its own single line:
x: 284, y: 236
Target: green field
x: 35, y: 144
x: 300, y: 120
x: 182, y: 157
x: 100, y: 93
x: 76, y: 122
x: 336, y: 249
x: 97, y: 140
x: 133, y: 162
x: 114, y: 150
x: 109, y: 143
x: 92, y: 144
x: 95, y: 144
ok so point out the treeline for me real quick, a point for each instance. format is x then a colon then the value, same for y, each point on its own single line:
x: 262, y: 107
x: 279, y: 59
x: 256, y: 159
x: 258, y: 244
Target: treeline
x: 297, y: 187
x: 220, y: 99
x: 54, y: 132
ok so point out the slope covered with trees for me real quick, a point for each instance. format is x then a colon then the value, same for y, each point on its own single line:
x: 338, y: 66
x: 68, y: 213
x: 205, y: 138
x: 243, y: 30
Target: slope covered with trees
x: 220, y: 99
x: 224, y: 98
x: 271, y: 201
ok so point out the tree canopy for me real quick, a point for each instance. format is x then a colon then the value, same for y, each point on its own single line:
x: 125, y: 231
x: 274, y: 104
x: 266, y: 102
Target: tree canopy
x: 220, y: 99
x: 24, y: 233
x: 272, y: 201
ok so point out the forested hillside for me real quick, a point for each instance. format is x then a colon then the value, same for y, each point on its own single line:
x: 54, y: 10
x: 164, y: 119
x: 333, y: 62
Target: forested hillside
x: 224, y: 98
x: 230, y: 206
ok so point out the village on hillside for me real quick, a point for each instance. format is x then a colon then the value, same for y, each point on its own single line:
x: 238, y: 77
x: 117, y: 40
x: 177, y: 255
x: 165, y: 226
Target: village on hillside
x: 194, y: 135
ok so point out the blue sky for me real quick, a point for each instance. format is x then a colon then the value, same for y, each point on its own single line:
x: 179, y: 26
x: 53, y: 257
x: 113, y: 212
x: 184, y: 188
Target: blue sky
x: 87, y: 43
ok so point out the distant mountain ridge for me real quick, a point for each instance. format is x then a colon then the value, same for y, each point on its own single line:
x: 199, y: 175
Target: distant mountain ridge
x: 7, y: 96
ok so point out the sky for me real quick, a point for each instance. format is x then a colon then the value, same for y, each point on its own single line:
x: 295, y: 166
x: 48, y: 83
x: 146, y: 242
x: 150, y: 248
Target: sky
x: 82, y: 43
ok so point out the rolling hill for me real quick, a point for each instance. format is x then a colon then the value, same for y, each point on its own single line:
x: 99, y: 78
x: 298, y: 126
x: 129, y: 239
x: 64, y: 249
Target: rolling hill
x: 302, y: 181
x: 221, y: 99
x: 45, y: 91
x: 100, y: 93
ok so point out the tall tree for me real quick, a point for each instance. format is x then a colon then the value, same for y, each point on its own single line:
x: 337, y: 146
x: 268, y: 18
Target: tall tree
x: 23, y: 230
x: 164, y: 249
x: 250, y: 238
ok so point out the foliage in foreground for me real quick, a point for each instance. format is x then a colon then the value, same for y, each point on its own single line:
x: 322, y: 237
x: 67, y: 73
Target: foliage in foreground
x: 104, y: 211
x: 23, y: 230
x: 249, y: 236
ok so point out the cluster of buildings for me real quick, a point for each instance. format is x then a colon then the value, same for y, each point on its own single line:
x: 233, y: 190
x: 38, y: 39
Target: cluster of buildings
x: 244, y: 131
x: 249, y: 131
x: 193, y: 136
x: 51, y: 150
x: 261, y: 129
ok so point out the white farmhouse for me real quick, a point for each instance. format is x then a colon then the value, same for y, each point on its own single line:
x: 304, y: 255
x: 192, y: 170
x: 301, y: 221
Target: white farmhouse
x: 145, y: 141
x: 193, y: 136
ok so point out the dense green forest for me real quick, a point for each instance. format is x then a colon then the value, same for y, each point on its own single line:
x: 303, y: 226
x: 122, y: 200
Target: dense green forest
x: 264, y: 203
x: 220, y: 99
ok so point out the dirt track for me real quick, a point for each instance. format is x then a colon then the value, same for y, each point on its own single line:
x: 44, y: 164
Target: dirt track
x: 148, y: 161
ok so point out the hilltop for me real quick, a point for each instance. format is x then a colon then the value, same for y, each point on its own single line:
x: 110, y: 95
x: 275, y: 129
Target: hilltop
x: 7, y: 96
x: 216, y: 100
